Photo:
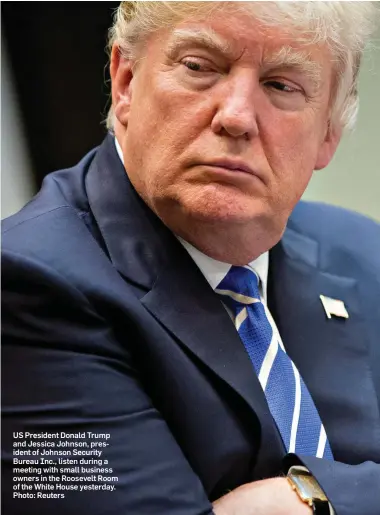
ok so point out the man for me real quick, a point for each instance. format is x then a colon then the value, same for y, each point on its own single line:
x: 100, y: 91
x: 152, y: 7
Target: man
x: 122, y: 276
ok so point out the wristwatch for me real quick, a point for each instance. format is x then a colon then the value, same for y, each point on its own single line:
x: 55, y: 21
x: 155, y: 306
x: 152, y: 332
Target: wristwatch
x: 308, y: 489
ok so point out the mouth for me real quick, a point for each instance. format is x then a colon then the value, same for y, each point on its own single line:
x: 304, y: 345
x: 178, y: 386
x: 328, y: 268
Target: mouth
x: 233, y: 166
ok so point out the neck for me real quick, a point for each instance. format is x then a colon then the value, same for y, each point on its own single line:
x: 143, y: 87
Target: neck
x: 233, y: 245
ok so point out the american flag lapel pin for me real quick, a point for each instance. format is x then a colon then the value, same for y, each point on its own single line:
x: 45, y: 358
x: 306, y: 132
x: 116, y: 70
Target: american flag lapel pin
x: 334, y: 307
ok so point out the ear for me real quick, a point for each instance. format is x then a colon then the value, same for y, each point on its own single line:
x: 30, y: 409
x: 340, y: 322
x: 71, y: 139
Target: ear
x: 328, y: 146
x: 121, y: 71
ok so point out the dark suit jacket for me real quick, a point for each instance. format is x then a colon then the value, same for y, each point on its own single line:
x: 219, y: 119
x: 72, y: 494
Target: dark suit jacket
x: 109, y: 327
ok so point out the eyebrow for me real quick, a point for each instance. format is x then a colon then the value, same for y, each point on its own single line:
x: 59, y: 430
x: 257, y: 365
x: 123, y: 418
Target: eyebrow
x: 288, y: 57
x: 285, y: 57
x: 206, y: 38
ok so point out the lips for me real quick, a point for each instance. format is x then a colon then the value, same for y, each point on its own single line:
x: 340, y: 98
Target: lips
x: 233, y: 165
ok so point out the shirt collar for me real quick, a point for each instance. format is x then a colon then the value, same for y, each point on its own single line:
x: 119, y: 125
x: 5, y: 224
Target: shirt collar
x: 213, y: 270
x: 119, y: 151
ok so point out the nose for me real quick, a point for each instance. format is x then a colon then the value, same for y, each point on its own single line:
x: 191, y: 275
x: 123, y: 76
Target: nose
x: 236, y: 114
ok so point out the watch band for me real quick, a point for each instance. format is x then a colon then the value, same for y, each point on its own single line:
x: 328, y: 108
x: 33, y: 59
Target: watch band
x: 321, y: 507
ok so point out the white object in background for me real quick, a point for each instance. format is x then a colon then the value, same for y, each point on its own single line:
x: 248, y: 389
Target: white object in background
x: 17, y: 185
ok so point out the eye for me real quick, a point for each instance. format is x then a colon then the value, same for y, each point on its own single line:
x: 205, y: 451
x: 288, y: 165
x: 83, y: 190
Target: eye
x: 198, y: 65
x: 282, y: 86
x: 193, y: 66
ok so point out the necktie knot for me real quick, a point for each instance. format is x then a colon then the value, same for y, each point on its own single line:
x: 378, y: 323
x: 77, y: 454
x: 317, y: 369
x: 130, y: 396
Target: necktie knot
x: 241, y: 285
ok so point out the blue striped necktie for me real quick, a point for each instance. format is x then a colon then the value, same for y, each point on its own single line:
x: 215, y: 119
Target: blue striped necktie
x: 288, y: 398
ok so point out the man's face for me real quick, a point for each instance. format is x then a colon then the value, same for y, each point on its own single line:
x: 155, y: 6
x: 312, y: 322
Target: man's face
x: 222, y: 124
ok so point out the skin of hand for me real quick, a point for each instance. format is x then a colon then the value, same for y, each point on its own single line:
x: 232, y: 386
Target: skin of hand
x: 267, y: 497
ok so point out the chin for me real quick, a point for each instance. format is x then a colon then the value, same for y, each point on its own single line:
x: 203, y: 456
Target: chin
x: 228, y: 214
x: 233, y: 207
x: 215, y: 216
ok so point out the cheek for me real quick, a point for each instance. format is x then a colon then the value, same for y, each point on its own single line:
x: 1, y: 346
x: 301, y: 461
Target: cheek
x: 164, y: 122
x: 291, y: 148
x: 165, y: 103
x: 154, y: 154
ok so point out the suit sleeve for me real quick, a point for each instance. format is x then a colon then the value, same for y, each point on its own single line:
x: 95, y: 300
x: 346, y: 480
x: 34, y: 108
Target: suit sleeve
x: 63, y: 371
x: 351, y: 489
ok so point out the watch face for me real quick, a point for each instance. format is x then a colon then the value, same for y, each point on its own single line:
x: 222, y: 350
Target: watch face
x: 307, y: 487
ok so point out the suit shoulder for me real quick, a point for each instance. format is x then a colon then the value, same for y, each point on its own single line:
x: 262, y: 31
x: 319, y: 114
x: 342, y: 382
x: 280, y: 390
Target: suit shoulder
x: 56, y: 228
x: 61, y: 189
x: 335, y: 225
x: 348, y: 242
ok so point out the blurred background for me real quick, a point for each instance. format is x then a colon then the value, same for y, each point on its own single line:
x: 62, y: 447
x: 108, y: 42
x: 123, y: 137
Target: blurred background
x: 55, y: 87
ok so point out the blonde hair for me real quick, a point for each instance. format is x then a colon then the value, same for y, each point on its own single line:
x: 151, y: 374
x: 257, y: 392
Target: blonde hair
x: 344, y: 26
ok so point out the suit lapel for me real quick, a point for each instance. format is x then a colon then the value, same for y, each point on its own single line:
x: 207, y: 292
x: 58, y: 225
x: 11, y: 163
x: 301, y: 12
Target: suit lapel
x: 135, y: 239
x: 185, y: 303
x: 331, y: 354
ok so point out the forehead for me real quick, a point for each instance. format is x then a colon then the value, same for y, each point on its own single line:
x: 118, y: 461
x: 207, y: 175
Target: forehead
x: 240, y: 35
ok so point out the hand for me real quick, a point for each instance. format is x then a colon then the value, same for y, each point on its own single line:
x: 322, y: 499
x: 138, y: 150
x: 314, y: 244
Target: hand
x: 268, y: 497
